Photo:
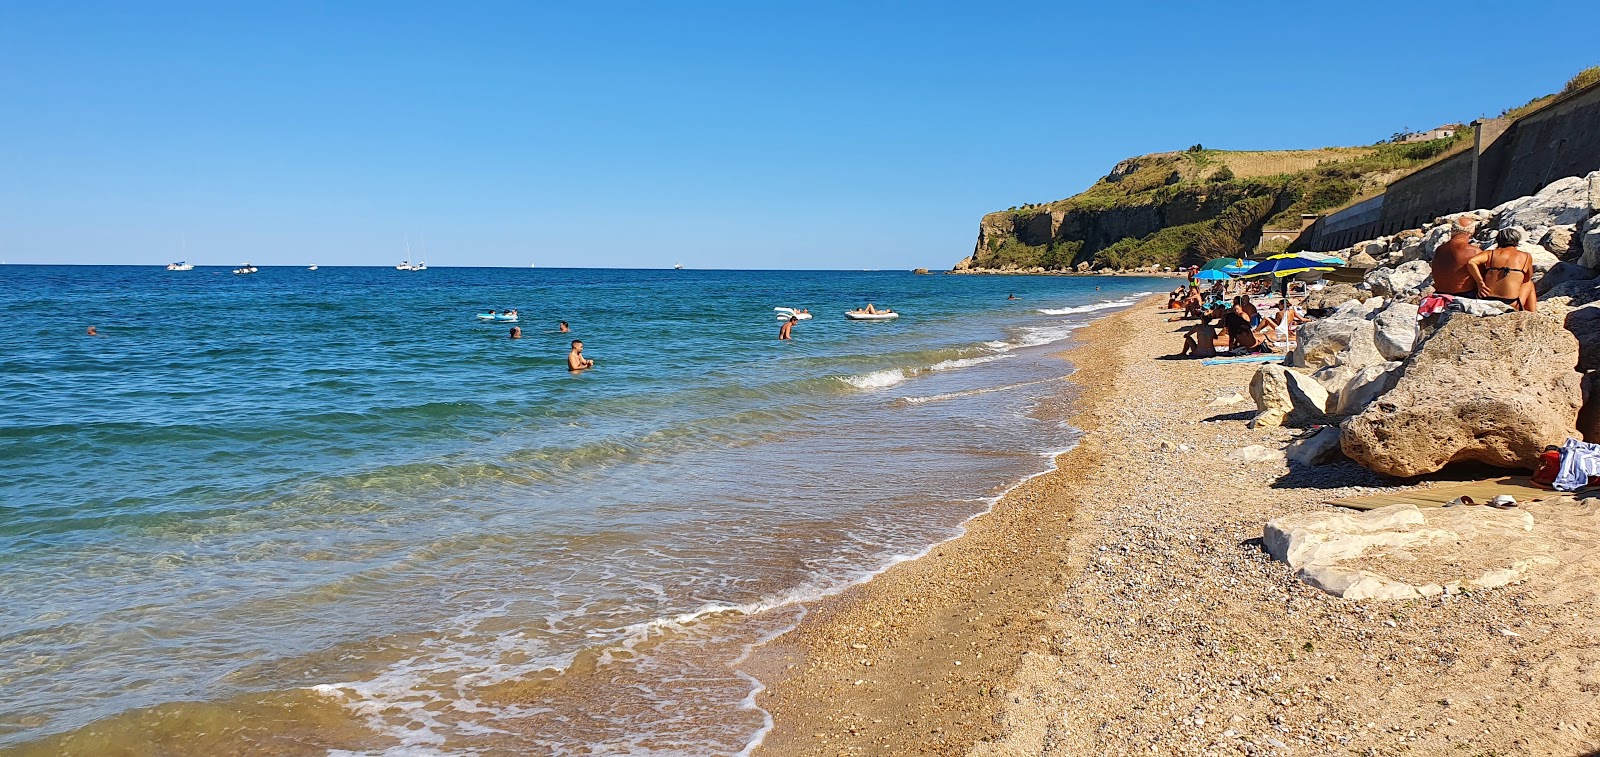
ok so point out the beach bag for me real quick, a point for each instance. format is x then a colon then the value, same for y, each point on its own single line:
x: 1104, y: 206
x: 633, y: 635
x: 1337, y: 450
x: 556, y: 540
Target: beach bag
x: 1549, y: 467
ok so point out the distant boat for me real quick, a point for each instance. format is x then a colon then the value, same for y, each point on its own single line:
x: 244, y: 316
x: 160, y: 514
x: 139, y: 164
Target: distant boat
x: 407, y: 265
x: 311, y: 267
x: 245, y: 269
x: 182, y: 265
x: 677, y: 266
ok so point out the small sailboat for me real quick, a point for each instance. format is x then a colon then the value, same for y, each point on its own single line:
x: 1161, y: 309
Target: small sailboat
x: 182, y: 265
x: 245, y: 269
x: 407, y: 265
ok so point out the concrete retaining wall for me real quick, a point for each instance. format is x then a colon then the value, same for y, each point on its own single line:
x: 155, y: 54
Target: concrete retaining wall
x: 1508, y: 159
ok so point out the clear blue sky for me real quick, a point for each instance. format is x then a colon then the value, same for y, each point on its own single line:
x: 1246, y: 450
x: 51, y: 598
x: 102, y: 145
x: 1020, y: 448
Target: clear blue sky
x: 738, y: 135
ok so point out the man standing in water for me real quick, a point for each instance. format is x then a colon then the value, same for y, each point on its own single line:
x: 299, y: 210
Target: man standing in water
x: 783, y: 331
x: 575, y: 360
x: 1450, y: 272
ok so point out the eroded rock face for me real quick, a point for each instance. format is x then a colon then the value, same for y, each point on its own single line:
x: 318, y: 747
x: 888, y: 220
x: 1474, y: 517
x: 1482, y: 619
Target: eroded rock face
x: 1494, y: 390
x: 1584, y: 323
x: 1563, y: 201
x: 1284, y: 397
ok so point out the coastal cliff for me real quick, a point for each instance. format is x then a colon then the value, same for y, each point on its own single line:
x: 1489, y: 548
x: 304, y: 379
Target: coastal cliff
x: 1177, y: 208
x: 1172, y: 208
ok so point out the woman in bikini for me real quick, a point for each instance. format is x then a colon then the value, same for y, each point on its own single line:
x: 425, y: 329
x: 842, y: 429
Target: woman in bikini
x: 1505, y: 273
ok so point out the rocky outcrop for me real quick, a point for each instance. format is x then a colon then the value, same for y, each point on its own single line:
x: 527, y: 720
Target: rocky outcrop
x: 1284, y: 397
x: 1493, y: 390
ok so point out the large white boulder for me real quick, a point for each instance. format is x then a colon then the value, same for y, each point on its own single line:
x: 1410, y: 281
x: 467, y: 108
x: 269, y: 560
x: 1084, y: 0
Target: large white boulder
x: 1395, y: 331
x: 1492, y: 390
x: 1332, y: 550
x: 1563, y: 201
x: 1363, y: 387
x: 1402, y: 281
x: 1284, y: 396
x: 1319, y: 448
x: 1590, y: 242
x: 1562, y: 273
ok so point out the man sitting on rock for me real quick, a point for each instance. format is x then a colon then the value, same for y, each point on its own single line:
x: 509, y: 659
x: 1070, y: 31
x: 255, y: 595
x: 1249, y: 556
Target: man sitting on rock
x: 1450, y: 270
x: 1505, y: 273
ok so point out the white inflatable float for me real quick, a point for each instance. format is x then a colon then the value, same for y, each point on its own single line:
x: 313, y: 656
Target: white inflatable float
x: 785, y: 314
x: 859, y: 316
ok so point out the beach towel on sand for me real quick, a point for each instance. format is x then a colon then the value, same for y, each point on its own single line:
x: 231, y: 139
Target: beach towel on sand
x: 1268, y: 358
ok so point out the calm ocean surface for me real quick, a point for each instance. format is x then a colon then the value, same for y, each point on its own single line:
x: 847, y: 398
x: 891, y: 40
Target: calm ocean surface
x: 329, y: 512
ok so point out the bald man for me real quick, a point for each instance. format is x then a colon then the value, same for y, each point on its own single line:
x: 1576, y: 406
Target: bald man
x: 1451, y: 272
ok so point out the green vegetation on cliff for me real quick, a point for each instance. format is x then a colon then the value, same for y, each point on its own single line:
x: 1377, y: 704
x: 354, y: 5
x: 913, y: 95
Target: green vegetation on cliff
x: 1176, y: 208
x: 1183, y: 207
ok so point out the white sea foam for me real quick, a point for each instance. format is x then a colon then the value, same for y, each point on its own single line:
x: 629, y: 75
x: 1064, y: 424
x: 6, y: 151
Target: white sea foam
x: 1098, y: 306
x: 877, y: 379
x: 965, y: 362
x: 971, y: 392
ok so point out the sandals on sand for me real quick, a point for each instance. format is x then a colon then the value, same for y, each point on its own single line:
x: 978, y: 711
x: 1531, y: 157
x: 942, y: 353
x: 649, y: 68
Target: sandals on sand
x: 1504, y: 502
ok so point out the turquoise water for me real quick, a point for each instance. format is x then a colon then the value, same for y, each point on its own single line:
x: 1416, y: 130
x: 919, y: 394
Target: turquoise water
x: 332, y: 505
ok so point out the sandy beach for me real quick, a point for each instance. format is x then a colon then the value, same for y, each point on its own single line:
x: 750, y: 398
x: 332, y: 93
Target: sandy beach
x: 1123, y: 604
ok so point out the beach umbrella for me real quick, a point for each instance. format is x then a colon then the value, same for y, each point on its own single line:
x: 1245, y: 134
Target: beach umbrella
x: 1285, y: 265
x: 1233, y: 266
x: 1212, y: 275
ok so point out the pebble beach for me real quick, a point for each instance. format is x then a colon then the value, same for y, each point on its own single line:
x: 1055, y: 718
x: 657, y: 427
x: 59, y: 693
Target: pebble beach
x: 1123, y: 604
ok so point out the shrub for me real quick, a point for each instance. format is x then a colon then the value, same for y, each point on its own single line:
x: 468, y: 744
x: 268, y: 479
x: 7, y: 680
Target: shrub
x: 1584, y: 78
x: 1226, y: 174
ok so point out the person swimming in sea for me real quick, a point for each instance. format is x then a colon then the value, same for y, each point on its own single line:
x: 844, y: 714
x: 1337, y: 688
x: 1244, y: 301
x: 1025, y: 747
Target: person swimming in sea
x: 92, y: 332
x: 1011, y: 296
x: 575, y: 360
x: 564, y: 328
x: 516, y: 332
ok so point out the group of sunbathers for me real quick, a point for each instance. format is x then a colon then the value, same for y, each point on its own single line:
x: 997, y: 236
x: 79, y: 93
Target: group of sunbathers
x: 1239, y: 328
x: 1502, y: 274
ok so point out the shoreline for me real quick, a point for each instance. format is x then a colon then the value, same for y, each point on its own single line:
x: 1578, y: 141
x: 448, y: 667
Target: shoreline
x: 837, y: 635
x: 1122, y: 602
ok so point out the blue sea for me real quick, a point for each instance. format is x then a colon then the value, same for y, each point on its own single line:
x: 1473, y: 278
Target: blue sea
x: 330, y: 512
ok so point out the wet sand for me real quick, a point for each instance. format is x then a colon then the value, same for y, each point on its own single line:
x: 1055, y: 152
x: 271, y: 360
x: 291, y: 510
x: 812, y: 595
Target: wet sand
x: 1123, y: 604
